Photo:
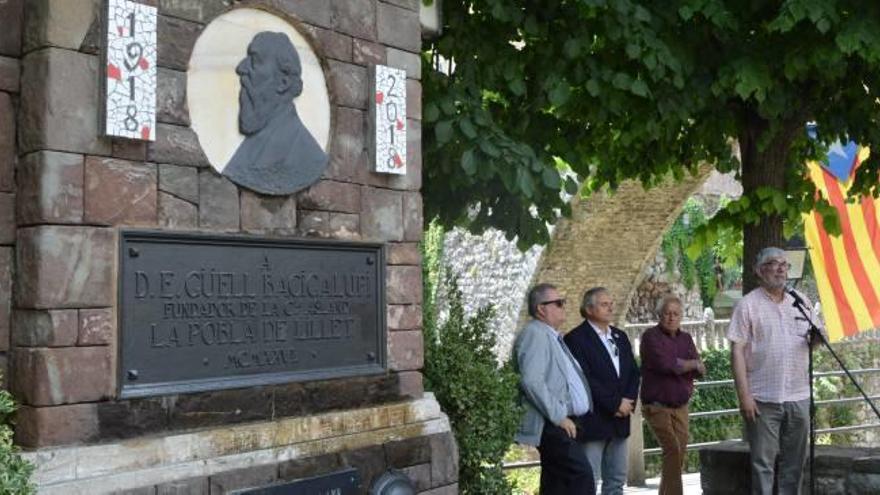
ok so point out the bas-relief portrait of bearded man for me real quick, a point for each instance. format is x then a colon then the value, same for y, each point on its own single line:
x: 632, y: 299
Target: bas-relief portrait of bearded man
x: 279, y: 155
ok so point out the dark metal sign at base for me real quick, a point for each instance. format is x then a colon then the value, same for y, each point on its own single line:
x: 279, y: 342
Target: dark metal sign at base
x: 339, y: 483
x: 201, y: 312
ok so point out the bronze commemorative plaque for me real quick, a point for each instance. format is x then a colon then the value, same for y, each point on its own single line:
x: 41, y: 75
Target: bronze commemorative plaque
x: 207, y: 312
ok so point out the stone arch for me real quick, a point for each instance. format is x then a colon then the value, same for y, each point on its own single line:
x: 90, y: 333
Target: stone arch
x: 610, y: 238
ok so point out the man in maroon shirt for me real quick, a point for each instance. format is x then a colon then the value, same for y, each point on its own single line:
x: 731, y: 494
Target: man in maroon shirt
x: 669, y: 365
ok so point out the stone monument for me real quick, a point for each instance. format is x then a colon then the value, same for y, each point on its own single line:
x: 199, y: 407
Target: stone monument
x: 192, y: 314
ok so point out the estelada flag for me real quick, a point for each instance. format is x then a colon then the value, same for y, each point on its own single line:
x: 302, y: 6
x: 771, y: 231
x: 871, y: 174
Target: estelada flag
x: 847, y: 266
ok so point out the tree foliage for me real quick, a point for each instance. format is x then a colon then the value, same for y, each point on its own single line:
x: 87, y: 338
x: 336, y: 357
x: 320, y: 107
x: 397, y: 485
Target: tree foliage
x: 15, y: 472
x: 620, y: 89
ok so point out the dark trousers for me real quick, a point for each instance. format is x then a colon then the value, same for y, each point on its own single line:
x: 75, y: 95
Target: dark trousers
x: 565, y: 469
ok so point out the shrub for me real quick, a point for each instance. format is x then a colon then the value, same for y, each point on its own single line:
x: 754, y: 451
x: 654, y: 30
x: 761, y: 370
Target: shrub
x: 477, y: 393
x: 15, y: 472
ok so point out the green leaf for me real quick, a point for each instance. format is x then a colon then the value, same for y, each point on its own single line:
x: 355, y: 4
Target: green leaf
x: 593, y: 87
x: 467, y: 128
x: 525, y: 182
x: 468, y: 162
x: 431, y: 112
x: 633, y: 51
x: 571, y: 186
x: 490, y: 149
x: 550, y: 177
x: 572, y: 48
x: 685, y: 12
x: 517, y: 87
x: 443, y: 131
x: 622, y: 81
x: 448, y: 106
x: 639, y: 88
x: 559, y: 94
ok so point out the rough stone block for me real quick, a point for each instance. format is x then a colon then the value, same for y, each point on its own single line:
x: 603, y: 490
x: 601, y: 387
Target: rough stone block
x: 382, y: 215
x: 413, y: 99
x: 412, y: 216
x: 267, y: 214
x: 399, y: 27
x: 194, y: 486
x: 403, y: 253
x: 60, y: 425
x: 444, y: 459
x: 408, y: 61
x: 171, y: 105
x: 407, y: 4
x: 370, y: 462
x: 50, y: 188
x: 6, y: 262
x: 127, y: 149
x: 176, y: 42
x: 65, y: 267
x: 347, y: 146
x: 10, y: 70
x: 405, y: 350
x: 355, y: 17
x: 344, y: 226
x: 200, y: 11
x: 309, y: 467
x: 408, y: 452
x: 46, y: 328
x: 7, y: 143
x: 254, y: 476
x: 331, y: 196
x: 59, y: 87
x: 131, y: 418
x: 62, y: 375
x: 175, y: 213
x: 7, y: 218
x: 348, y: 84
x: 404, y: 317
x: 176, y: 145
x: 404, y: 284
x: 182, y: 182
x: 60, y: 23
x: 96, y: 326
x: 313, y: 223
x: 368, y: 53
x: 331, y: 44
x: 420, y: 476
x: 11, y: 11
x: 218, y: 202
x: 411, y: 384
x: 309, y: 11
x: 119, y: 192
x: 442, y: 490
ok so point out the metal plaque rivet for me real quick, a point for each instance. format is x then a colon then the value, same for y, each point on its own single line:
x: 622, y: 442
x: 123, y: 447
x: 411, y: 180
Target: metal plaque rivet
x: 370, y: 260
x: 205, y: 361
x: 133, y: 252
x: 132, y: 374
x: 371, y: 356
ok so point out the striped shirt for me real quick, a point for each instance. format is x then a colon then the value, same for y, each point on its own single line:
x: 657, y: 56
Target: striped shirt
x: 777, y: 351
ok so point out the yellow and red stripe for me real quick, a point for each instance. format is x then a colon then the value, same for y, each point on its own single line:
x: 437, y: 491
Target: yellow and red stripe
x: 847, y: 267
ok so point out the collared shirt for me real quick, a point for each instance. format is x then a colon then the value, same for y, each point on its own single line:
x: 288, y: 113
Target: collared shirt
x: 579, y: 402
x: 607, y: 339
x: 777, y: 352
x: 661, y: 378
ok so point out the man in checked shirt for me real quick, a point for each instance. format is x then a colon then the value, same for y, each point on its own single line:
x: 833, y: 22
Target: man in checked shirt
x: 770, y: 358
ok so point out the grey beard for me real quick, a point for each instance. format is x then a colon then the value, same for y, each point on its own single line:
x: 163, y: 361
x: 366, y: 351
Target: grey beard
x: 253, y: 114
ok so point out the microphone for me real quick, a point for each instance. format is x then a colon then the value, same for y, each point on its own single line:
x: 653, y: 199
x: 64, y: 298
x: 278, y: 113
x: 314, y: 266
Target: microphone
x: 797, y: 299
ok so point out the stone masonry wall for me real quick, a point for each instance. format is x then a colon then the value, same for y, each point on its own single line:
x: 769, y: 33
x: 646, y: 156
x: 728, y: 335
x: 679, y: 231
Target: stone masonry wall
x: 10, y: 69
x: 75, y: 189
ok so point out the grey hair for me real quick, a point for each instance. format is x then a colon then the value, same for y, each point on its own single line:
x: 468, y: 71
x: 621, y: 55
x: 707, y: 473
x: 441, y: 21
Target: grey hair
x: 590, y: 298
x: 666, y: 301
x: 285, y: 56
x: 767, y: 253
x: 536, y: 296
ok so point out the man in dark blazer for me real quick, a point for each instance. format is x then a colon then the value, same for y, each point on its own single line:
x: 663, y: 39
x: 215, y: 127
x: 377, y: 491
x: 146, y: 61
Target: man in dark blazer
x: 606, y: 357
x: 553, y: 391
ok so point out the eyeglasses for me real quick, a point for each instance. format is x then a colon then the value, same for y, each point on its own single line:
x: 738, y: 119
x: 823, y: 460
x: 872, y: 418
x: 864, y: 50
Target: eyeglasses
x: 774, y: 264
x: 558, y: 302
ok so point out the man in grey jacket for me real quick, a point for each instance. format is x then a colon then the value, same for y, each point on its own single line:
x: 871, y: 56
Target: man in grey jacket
x: 553, y: 390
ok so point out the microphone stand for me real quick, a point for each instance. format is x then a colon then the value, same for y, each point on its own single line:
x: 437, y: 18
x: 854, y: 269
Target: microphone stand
x: 816, y: 336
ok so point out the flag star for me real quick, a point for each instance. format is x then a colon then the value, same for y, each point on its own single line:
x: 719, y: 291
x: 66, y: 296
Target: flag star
x: 837, y: 149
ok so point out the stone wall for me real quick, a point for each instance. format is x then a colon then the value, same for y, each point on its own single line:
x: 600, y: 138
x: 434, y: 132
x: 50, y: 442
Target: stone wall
x: 659, y: 281
x: 10, y: 70
x: 73, y: 189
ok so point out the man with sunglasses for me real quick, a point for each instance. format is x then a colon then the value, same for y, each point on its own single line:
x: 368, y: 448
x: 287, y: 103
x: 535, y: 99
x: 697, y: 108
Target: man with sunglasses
x: 553, y: 391
x: 606, y: 356
x: 770, y: 359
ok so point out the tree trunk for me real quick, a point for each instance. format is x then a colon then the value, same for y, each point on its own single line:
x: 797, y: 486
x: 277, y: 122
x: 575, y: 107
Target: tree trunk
x: 761, y: 167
